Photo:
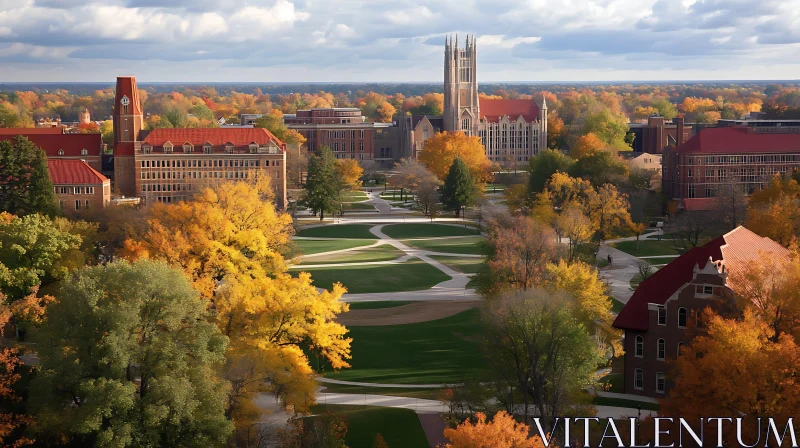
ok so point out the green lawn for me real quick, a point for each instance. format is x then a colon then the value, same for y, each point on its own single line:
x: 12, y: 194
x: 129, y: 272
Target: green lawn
x: 467, y: 245
x: 616, y: 305
x: 399, y: 427
x: 354, y: 196
x: 359, y: 231
x: 638, y: 279
x: 376, y: 305
x: 417, y: 392
x: 646, y: 248
x: 384, y: 252
x: 660, y: 260
x: 413, y: 275
x: 358, y: 206
x: 440, y: 351
x: 309, y: 247
x: 465, y: 265
x: 402, y: 231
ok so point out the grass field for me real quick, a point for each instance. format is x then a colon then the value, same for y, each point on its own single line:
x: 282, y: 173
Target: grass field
x: 466, y: 245
x: 616, y: 305
x: 309, y: 247
x: 439, y: 351
x: 465, y: 265
x: 412, y: 275
x: 359, y: 231
x: 646, y: 248
x: 399, y: 427
x: 402, y: 231
x: 384, y: 252
x: 358, y: 206
x: 417, y: 392
x: 376, y: 305
x: 354, y: 196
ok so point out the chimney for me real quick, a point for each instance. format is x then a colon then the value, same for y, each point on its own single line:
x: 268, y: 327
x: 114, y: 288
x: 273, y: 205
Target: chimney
x: 679, y: 131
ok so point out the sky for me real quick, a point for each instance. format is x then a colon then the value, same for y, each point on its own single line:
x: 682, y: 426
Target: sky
x: 397, y: 40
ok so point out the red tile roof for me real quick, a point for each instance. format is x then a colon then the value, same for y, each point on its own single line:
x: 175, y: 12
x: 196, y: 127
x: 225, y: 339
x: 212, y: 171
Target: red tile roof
x: 126, y: 86
x: 71, y: 144
x: 31, y: 131
x: 736, y: 251
x: 493, y: 109
x: 736, y: 140
x: 698, y: 204
x: 215, y: 136
x: 73, y: 172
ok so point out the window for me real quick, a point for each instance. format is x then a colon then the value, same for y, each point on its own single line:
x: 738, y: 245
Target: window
x: 61, y: 152
x: 187, y: 148
x: 253, y: 148
x: 662, y: 315
x: 465, y: 124
x: 638, y: 379
x: 168, y: 148
x: 708, y: 290
x: 147, y: 149
x: 87, y: 205
x: 639, y: 346
x: 660, y: 383
x: 662, y: 350
x: 77, y: 205
x: 682, y: 318
x: 680, y: 346
x: 89, y: 190
x: 84, y: 152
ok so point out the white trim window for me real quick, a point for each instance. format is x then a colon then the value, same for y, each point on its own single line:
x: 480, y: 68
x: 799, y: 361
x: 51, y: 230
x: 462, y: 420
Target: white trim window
x: 661, y: 383
x: 661, y: 350
x: 682, y: 317
x: 639, y: 349
x: 662, y: 315
x: 638, y: 379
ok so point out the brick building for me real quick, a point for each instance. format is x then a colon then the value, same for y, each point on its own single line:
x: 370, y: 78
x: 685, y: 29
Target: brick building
x: 57, y: 145
x: 742, y: 156
x: 169, y: 165
x: 658, y: 316
x: 333, y: 115
x: 78, y: 186
x: 655, y: 135
x: 415, y: 130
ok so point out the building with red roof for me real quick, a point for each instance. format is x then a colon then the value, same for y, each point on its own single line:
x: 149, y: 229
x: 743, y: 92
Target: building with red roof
x: 656, y: 317
x: 57, y: 145
x: 78, y: 186
x: 744, y: 156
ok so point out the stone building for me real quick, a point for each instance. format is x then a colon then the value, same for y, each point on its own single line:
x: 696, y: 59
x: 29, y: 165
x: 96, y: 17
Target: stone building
x: 78, y: 186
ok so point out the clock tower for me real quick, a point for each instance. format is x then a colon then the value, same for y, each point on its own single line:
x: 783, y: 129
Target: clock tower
x: 128, y: 121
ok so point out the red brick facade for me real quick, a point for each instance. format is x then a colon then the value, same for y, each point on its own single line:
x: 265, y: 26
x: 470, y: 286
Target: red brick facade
x: 78, y: 187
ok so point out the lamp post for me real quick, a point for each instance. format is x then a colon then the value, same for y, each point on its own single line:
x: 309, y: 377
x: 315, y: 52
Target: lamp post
x: 638, y: 435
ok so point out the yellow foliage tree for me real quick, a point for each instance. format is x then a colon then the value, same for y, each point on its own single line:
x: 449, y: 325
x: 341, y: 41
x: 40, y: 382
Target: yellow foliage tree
x: 586, y: 145
x: 350, y: 172
x: 501, y: 432
x: 441, y: 149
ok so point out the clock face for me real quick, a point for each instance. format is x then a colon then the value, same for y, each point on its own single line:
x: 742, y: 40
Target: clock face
x: 124, y: 101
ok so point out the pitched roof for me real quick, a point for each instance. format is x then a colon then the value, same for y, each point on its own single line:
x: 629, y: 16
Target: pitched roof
x: 71, y: 144
x: 215, y: 136
x: 493, y: 109
x: 31, y: 131
x: 73, y: 172
x: 732, y: 140
x: 736, y: 251
x: 436, y: 121
x: 126, y: 86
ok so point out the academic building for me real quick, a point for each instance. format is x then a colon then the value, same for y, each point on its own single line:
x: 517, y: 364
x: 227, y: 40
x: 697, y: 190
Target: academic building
x: 78, y: 186
x: 511, y: 130
x: 169, y: 165
x: 666, y: 309
x: 60, y: 146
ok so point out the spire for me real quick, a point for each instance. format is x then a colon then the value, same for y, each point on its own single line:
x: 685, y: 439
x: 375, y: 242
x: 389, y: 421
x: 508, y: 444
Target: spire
x: 456, y: 41
x: 544, y: 103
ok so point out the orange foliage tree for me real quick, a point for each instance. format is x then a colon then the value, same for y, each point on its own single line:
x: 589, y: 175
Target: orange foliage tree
x: 441, y: 149
x: 501, y: 432
x: 586, y: 145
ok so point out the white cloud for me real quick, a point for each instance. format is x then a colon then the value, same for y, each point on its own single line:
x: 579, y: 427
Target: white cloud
x: 501, y: 41
x: 412, y: 16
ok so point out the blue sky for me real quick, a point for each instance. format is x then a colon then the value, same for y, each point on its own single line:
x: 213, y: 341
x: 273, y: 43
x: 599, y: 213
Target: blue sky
x: 397, y: 40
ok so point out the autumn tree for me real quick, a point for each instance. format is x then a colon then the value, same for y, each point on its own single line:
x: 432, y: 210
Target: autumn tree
x: 586, y: 145
x: 600, y: 167
x: 349, y: 172
x: 323, y: 184
x: 577, y: 227
x: 25, y: 185
x: 442, y: 149
x: 501, y: 432
x: 729, y: 204
x: 459, y: 189
x: 9, y: 117
x: 103, y: 377
x: 737, y: 367
x: 774, y: 211
x: 414, y: 176
x: 326, y: 430
x: 12, y: 421
x: 543, y: 166
x: 537, y: 345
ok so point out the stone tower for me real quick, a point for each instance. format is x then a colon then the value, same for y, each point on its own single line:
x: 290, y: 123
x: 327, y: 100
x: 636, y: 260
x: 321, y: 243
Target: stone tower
x: 85, y: 117
x: 128, y: 121
x: 461, y: 107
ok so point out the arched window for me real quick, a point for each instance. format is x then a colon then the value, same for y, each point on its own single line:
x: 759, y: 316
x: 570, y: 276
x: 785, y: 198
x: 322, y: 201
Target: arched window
x: 662, y: 349
x: 680, y: 346
x: 682, y: 318
x: 61, y: 152
x: 425, y: 133
x: 639, y: 346
x: 84, y: 152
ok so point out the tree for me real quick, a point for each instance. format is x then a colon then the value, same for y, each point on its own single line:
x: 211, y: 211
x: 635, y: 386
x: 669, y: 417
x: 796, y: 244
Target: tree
x: 536, y: 344
x: 349, y: 173
x: 321, y: 192
x: 442, y: 149
x: 128, y: 358
x: 586, y: 145
x: 107, y: 131
x: 665, y: 108
x: 774, y: 211
x: 729, y: 202
x: 8, y: 116
x: 600, y: 168
x: 25, y: 185
x: 11, y: 421
x: 427, y: 194
x: 543, y: 166
x: 459, y: 189
x: 574, y: 225
x: 379, y: 442
x: 691, y: 229
x: 608, y: 209
x: 501, y: 432
x: 322, y: 431
x: 739, y: 367
x: 414, y: 176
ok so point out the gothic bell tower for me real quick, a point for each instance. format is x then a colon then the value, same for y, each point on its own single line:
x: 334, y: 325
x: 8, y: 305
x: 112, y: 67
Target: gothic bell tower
x: 461, y: 106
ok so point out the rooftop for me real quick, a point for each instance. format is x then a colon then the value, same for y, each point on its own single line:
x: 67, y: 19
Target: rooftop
x: 62, y: 145
x: 739, y: 140
x: 493, y: 109
x: 215, y: 136
x: 73, y: 172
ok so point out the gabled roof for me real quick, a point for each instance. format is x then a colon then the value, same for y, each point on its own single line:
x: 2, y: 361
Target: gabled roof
x: 733, y: 140
x: 73, y: 172
x: 215, y: 136
x: 493, y: 109
x: 71, y: 144
x: 436, y: 121
x: 736, y: 251
x: 32, y: 131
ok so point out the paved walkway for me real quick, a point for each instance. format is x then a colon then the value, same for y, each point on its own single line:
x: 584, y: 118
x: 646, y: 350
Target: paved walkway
x: 624, y: 267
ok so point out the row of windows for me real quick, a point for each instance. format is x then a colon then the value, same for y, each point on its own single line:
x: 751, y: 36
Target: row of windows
x: 166, y: 187
x: 661, y: 348
x: 343, y: 134
x: 638, y: 381
x: 77, y: 205
x: 722, y: 173
x: 188, y: 149
x: 769, y: 158
x: 352, y: 156
x: 662, y: 312
x: 147, y: 175
x: 206, y: 163
x: 84, y: 152
x: 352, y: 146
x: 74, y: 190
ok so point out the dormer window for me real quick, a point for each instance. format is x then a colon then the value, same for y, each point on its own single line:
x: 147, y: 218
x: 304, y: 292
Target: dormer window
x: 168, y: 148
x: 147, y: 149
x: 208, y: 147
x: 61, y: 152
x: 84, y: 152
x: 253, y: 148
x: 187, y: 148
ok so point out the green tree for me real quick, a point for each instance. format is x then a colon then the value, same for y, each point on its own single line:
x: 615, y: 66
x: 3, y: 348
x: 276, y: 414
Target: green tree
x: 321, y: 192
x: 8, y: 116
x: 25, y: 185
x: 128, y: 358
x: 600, y: 167
x: 459, y: 189
x: 176, y: 117
x: 665, y: 108
x: 202, y: 112
x: 32, y: 252
x: 543, y: 166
